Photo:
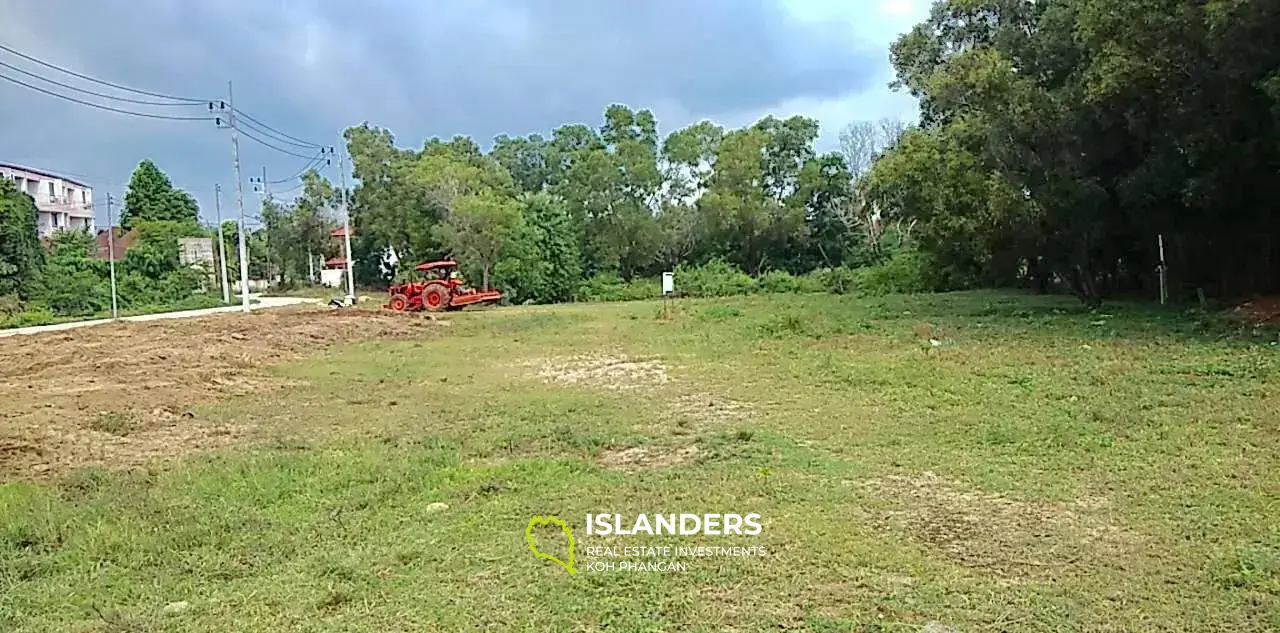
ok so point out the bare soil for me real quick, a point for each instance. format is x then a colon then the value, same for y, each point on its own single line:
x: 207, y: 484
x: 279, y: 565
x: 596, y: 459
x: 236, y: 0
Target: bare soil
x: 123, y: 395
x: 1010, y: 538
x: 1259, y: 312
x: 637, y: 458
x: 608, y: 372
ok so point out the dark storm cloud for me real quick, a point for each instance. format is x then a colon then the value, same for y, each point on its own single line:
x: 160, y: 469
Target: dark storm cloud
x: 477, y: 67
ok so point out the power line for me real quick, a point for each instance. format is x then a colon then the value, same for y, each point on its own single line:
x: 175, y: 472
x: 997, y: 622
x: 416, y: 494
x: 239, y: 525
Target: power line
x: 274, y: 193
x: 269, y: 145
x: 298, y: 142
x: 90, y: 92
x: 103, y: 107
x: 270, y: 133
x: 98, y: 81
x: 312, y: 164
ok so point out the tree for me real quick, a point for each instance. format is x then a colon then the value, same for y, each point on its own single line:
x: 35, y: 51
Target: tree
x: 21, y: 257
x: 526, y: 160
x: 541, y: 262
x: 74, y: 282
x: 478, y: 228
x: 151, y: 196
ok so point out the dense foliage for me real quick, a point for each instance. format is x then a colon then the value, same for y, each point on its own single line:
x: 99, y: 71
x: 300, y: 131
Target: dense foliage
x: 21, y: 257
x: 1060, y: 138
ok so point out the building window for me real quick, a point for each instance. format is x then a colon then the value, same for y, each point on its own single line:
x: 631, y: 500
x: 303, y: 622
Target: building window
x: 51, y: 193
x: 84, y: 197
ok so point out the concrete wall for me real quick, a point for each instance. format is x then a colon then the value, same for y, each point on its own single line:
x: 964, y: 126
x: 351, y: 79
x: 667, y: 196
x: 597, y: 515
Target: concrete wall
x: 196, y: 250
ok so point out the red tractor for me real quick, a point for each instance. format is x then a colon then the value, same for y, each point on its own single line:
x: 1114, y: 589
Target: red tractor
x: 439, y: 288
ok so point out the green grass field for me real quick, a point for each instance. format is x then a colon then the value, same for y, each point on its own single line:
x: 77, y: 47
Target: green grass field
x: 1043, y: 469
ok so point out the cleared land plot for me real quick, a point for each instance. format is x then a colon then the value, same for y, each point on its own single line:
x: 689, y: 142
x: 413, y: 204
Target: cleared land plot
x: 1039, y: 469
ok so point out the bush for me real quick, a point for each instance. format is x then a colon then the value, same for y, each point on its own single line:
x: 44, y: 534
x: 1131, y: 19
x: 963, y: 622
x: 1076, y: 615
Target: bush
x: 35, y: 315
x: 906, y: 271
x: 716, y: 278
x: 839, y: 281
x: 781, y: 281
x: 611, y: 287
x: 10, y: 305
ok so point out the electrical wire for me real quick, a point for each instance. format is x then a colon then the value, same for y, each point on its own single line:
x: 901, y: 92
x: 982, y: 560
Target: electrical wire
x: 297, y: 141
x: 312, y: 164
x: 274, y: 193
x: 90, y: 92
x: 269, y: 145
x: 99, y: 81
x: 103, y: 107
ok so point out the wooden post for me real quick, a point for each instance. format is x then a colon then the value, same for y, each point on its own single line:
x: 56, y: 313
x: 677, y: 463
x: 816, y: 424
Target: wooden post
x: 1164, y: 281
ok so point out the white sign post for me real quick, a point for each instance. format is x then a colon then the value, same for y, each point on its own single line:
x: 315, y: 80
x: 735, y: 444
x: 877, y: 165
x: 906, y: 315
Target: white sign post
x: 668, y: 288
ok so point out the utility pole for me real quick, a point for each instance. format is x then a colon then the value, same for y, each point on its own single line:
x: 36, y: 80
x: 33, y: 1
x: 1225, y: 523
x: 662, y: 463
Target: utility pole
x: 260, y: 186
x: 235, y: 162
x: 346, y: 227
x: 111, y: 258
x: 222, y: 243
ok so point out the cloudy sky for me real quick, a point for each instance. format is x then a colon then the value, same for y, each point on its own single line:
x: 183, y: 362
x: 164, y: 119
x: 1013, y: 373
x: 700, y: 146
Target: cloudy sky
x: 477, y: 67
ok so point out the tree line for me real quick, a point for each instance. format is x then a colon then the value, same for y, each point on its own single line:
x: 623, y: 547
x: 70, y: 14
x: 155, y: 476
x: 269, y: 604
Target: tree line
x: 537, y: 215
x: 1060, y: 142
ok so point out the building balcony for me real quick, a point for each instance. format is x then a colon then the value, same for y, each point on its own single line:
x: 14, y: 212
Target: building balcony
x: 74, y: 208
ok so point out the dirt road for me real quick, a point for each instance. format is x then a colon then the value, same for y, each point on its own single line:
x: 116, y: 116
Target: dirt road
x: 263, y: 302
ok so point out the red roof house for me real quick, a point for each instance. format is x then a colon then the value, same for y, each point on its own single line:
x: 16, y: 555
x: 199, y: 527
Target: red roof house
x: 122, y: 242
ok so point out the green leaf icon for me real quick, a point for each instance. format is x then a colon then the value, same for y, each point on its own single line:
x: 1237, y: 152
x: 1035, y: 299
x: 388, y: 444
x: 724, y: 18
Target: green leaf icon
x: 533, y: 544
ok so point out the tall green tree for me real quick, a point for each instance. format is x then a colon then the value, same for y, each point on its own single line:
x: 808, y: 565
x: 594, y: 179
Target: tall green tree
x: 478, y: 229
x: 21, y: 257
x: 152, y: 197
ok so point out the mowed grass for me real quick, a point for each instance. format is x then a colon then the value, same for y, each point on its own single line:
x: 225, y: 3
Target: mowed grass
x: 1043, y: 469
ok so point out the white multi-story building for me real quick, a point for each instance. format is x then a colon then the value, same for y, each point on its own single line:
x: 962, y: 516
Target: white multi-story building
x: 63, y: 203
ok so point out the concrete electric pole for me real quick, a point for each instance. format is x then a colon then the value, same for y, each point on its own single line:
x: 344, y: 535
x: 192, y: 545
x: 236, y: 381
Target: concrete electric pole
x: 235, y: 158
x: 346, y: 228
x: 111, y: 257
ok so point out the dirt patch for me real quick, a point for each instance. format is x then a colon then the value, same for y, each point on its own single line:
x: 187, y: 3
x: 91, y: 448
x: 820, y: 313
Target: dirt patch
x: 708, y: 408
x: 122, y: 394
x: 609, y: 372
x: 992, y: 532
x: 1259, y: 312
x: 636, y: 458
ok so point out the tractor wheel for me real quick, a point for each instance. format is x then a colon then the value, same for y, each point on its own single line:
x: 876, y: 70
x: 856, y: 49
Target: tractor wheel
x: 435, y: 297
x: 398, y: 303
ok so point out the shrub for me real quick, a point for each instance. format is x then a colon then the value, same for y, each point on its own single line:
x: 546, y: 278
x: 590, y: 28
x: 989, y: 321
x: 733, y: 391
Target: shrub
x: 903, y: 273
x: 34, y: 314
x: 781, y: 281
x: 841, y: 280
x: 10, y: 305
x: 611, y: 287
x: 716, y: 278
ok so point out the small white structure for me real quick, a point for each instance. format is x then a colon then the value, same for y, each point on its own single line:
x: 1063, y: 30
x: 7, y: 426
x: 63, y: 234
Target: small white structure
x: 63, y: 203
x: 668, y: 283
x: 333, y: 277
x: 193, y: 251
